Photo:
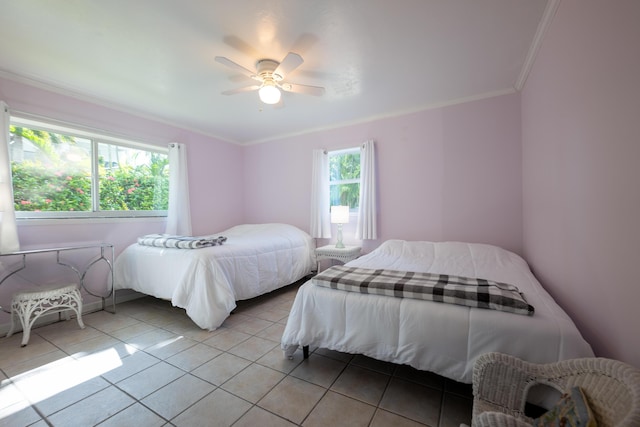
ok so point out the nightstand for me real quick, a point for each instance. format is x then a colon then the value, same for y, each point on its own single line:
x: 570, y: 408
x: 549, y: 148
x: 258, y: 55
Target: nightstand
x: 346, y: 254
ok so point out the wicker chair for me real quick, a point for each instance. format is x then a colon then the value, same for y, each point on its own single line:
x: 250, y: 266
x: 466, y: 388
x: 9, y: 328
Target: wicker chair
x: 501, y: 383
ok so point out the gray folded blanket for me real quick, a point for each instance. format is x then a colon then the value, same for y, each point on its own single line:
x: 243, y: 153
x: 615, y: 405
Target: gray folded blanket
x: 467, y: 291
x: 180, y: 242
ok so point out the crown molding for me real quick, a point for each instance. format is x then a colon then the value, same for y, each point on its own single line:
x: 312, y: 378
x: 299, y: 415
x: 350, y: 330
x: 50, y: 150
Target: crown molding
x: 74, y: 94
x: 388, y: 115
x: 543, y: 26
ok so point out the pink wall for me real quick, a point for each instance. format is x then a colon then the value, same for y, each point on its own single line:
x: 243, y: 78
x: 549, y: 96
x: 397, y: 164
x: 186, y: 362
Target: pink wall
x: 215, y: 172
x: 450, y: 173
x: 581, y: 154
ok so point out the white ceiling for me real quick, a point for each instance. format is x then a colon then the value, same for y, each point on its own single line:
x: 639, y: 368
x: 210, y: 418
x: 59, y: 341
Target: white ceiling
x: 374, y: 58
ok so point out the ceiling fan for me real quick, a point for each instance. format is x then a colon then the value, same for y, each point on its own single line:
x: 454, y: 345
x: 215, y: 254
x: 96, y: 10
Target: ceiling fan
x: 271, y: 75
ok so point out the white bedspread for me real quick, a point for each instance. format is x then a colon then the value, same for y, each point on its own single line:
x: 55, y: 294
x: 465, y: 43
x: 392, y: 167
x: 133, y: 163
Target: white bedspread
x: 432, y: 336
x: 255, y: 259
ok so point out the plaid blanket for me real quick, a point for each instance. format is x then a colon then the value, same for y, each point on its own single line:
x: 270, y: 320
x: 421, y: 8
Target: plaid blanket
x: 470, y: 292
x: 179, y: 242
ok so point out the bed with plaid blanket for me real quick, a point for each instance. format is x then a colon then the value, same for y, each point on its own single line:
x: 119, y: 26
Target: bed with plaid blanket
x: 180, y: 242
x: 445, y: 339
x: 467, y: 291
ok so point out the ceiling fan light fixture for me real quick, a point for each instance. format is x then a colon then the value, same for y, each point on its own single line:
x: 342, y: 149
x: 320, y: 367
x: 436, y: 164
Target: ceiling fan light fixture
x: 270, y: 74
x: 269, y: 93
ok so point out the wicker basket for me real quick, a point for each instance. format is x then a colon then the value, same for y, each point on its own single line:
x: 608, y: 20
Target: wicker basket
x: 501, y: 383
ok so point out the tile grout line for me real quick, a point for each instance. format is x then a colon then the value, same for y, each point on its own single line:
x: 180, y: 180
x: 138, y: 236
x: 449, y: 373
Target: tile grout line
x: 326, y: 391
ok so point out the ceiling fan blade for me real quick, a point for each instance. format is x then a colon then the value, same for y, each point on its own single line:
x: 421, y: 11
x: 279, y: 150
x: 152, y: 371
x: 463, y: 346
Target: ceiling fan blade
x: 288, y: 64
x: 241, y: 89
x: 229, y: 63
x: 305, y: 89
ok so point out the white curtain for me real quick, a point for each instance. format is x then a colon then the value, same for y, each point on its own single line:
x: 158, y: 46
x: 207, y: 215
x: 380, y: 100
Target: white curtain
x: 367, y: 228
x: 8, y: 228
x: 179, y: 215
x: 320, y: 222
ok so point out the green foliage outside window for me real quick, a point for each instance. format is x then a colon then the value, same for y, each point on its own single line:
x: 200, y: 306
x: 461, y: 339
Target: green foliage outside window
x: 140, y: 188
x: 37, y: 187
x: 344, y: 178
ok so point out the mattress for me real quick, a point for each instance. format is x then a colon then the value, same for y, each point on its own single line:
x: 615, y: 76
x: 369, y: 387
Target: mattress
x: 255, y: 259
x: 434, y: 336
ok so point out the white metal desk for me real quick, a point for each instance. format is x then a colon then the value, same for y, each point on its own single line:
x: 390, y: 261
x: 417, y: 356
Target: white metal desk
x: 106, y: 255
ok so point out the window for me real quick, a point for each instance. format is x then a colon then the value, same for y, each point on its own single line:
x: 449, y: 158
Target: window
x: 344, y: 177
x: 58, y: 171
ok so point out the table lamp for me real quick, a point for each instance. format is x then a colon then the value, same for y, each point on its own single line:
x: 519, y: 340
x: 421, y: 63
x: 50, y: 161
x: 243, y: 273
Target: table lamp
x: 339, y: 215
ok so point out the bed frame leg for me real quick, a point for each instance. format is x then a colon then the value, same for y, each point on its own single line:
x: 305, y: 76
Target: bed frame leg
x: 305, y: 351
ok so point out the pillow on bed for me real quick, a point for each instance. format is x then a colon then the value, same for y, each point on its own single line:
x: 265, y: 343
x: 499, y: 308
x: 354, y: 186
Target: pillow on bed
x: 571, y: 410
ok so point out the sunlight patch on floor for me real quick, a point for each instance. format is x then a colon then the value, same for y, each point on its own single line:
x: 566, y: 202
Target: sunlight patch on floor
x: 55, y: 377
x: 165, y: 343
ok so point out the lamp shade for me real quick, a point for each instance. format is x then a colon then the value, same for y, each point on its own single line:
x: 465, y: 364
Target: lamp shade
x: 339, y: 214
x: 269, y: 93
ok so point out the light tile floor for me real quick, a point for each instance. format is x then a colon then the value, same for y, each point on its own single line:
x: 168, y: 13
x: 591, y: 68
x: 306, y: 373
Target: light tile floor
x: 150, y: 365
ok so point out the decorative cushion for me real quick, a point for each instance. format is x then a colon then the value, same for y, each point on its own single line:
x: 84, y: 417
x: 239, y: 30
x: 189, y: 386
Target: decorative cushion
x: 572, y: 410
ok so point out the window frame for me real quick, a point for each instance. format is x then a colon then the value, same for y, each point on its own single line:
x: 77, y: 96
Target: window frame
x: 96, y: 137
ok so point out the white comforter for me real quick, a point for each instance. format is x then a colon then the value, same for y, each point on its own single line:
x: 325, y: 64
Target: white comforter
x: 432, y: 336
x: 255, y: 259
